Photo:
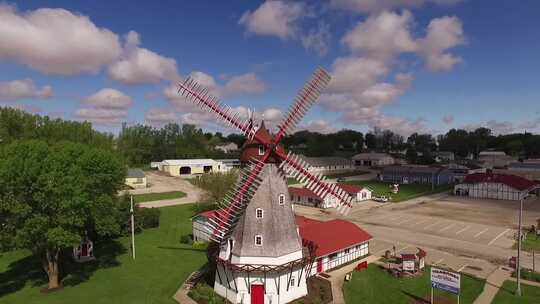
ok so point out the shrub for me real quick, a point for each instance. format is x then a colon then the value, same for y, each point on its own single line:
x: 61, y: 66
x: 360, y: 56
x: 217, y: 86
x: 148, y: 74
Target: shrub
x: 186, y: 239
x: 204, y: 294
x: 147, y: 217
x: 200, y: 244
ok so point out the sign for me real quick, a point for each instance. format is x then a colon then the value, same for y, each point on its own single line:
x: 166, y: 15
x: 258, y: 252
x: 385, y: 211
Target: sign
x: 408, y: 265
x: 445, y: 280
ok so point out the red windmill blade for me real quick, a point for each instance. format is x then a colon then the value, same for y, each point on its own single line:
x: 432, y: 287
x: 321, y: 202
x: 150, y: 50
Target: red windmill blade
x: 303, y: 102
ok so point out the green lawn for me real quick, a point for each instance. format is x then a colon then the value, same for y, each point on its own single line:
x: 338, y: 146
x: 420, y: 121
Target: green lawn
x: 291, y: 181
x: 150, y: 197
x: 374, y: 285
x: 161, y: 266
x: 347, y: 174
x: 530, y: 243
x: 506, y: 294
x: 406, y: 191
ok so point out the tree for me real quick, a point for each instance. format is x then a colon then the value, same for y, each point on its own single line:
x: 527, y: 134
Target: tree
x: 371, y: 141
x: 411, y: 155
x: 51, y: 195
x: 217, y: 184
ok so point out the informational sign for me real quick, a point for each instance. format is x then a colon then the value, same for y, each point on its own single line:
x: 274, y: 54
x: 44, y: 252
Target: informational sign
x: 408, y: 265
x: 445, y: 280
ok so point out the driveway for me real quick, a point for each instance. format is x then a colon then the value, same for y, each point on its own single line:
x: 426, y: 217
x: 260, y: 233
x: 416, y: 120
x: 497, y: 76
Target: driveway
x: 161, y: 182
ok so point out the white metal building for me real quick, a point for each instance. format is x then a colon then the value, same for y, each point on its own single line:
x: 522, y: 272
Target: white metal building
x: 306, y: 197
x: 328, y: 165
x: 190, y: 167
x: 496, y: 186
x: 369, y: 159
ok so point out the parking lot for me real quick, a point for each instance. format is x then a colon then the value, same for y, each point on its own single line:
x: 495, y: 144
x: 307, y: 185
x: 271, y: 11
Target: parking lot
x: 466, y: 231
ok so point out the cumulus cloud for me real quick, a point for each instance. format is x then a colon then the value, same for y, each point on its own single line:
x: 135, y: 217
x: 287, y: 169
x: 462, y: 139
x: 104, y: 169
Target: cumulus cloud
x: 247, y: 83
x: 108, y: 99
x: 274, y: 18
x: 23, y: 89
x: 442, y: 34
x: 317, y: 40
x: 374, y: 6
x: 160, y: 117
x: 102, y: 116
x: 139, y: 65
x: 319, y: 125
x: 55, y: 41
x: 448, y: 119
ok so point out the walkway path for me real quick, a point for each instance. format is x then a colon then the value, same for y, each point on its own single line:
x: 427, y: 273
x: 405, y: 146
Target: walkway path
x: 493, y: 282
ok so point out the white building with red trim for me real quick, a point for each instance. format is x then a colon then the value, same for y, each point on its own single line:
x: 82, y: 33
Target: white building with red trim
x: 306, y: 197
x: 337, y: 242
x: 496, y: 186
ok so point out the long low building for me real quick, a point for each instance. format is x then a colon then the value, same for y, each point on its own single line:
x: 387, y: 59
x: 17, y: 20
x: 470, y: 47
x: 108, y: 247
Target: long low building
x: 422, y: 175
x: 191, y: 167
x: 306, y: 197
x: 335, y: 242
x: 328, y: 165
x: 496, y: 186
x: 369, y: 159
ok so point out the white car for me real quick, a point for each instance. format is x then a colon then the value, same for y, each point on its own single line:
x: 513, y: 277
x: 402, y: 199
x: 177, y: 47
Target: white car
x: 382, y: 199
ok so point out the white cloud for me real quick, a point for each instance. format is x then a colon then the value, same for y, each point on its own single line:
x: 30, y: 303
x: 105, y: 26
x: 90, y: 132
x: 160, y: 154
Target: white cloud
x: 317, y: 40
x: 102, y: 116
x: 374, y: 6
x: 442, y: 34
x: 247, y: 83
x: 529, y: 125
x: 160, y: 117
x: 274, y: 18
x: 319, y: 125
x: 55, y: 41
x: 383, y: 35
x: 109, y: 99
x: 139, y: 65
x: 22, y: 89
x: 448, y: 119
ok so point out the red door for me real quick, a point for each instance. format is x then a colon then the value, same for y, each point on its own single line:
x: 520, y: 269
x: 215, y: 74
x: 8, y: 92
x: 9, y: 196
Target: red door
x: 84, y: 249
x: 257, y: 294
x: 319, y: 265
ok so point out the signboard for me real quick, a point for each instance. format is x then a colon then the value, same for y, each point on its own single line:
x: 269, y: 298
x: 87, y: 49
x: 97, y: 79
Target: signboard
x: 408, y: 265
x: 445, y: 280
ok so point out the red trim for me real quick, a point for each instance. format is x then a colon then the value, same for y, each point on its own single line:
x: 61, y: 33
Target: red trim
x: 514, y: 181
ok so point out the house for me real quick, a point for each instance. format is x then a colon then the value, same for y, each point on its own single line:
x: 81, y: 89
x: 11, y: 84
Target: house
x: 191, y: 167
x: 336, y: 242
x: 200, y: 223
x: 328, y: 165
x: 369, y: 159
x: 494, y: 159
x: 444, y: 156
x: 229, y: 147
x: 136, y: 178
x: 429, y: 175
x: 230, y: 163
x: 496, y: 186
x: 306, y: 197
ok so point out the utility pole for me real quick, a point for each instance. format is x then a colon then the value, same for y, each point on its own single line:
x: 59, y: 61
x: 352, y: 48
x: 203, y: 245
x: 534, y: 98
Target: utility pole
x: 132, y: 229
x: 518, y: 266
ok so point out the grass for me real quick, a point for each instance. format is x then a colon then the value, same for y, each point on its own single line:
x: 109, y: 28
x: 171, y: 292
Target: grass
x: 530, y: 243
x: 374, y: 285
x: 150, y: 197
x: 506, y: 295
x: 161, y: 265
x: 406, y: 191
x: 291, y: 181
x: 528, y: 274
x: 347, y: 174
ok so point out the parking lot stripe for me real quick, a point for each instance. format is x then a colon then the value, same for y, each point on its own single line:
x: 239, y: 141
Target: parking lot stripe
x: 465, y: 228
x: 433, y: 224
x: 498, y: 236
x: 459, y: 270
x: 439, y: 261
x: 421, y: 222
x: 447, y: 227
x: 480, y: 233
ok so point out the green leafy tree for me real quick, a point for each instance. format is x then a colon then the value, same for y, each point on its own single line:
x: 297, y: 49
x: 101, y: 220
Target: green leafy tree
x: 217, y: 184
x: 51, y: 195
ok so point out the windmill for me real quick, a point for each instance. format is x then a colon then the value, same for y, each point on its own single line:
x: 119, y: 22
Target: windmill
x: 255, y: 224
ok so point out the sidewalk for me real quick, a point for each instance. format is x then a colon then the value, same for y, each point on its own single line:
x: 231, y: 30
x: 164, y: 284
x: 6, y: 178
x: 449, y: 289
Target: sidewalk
x: 493, y: 282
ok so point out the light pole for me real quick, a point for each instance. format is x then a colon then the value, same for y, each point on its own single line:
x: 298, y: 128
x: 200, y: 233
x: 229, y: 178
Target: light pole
x: 518, y: 263
x: 132, y: 228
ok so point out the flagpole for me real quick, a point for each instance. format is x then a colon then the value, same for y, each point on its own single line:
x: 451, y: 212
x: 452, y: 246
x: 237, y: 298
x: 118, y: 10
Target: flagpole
x: 132, y: 228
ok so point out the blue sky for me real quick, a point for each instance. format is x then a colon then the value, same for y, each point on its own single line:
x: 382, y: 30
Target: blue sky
x: 422, y: 67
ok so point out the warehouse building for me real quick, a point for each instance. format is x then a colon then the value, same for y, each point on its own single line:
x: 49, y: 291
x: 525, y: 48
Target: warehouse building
x: 191, y: 167
x: 370, y: 159
x: 496, y: 186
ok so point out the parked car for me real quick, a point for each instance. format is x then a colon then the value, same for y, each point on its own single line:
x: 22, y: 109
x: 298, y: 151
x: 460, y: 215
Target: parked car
x: 382, y: 199
x: 340, y: 179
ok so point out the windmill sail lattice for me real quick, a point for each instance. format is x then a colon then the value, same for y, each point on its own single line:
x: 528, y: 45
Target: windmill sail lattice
x: 235, y: 203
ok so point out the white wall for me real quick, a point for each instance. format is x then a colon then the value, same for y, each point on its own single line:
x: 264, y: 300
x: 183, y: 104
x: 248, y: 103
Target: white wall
x: 491, y: 190
x: 343, y: 257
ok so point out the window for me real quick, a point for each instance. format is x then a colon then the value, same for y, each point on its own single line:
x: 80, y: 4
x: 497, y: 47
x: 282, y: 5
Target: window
x: 347, y: 251
x: 281, y: 199
x: 292, y: 281
x: 261, y: 150
x: 333, y: 256
x: 259, y: 213
x: 258, y: 240
x: 310, y: 200
x: 364, y: 195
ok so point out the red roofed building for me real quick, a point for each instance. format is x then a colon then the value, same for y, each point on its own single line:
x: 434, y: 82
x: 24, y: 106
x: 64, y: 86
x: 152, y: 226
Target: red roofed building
x: 337, y: 242
x: 496, y: 186
x: 199, y: 222
x: 304, y: 196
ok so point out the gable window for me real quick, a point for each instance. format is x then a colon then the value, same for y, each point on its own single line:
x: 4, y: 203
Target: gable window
x: 258, y: 240
x: 281, y: 199
x: 261, y: 150
x: 259, y: 213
